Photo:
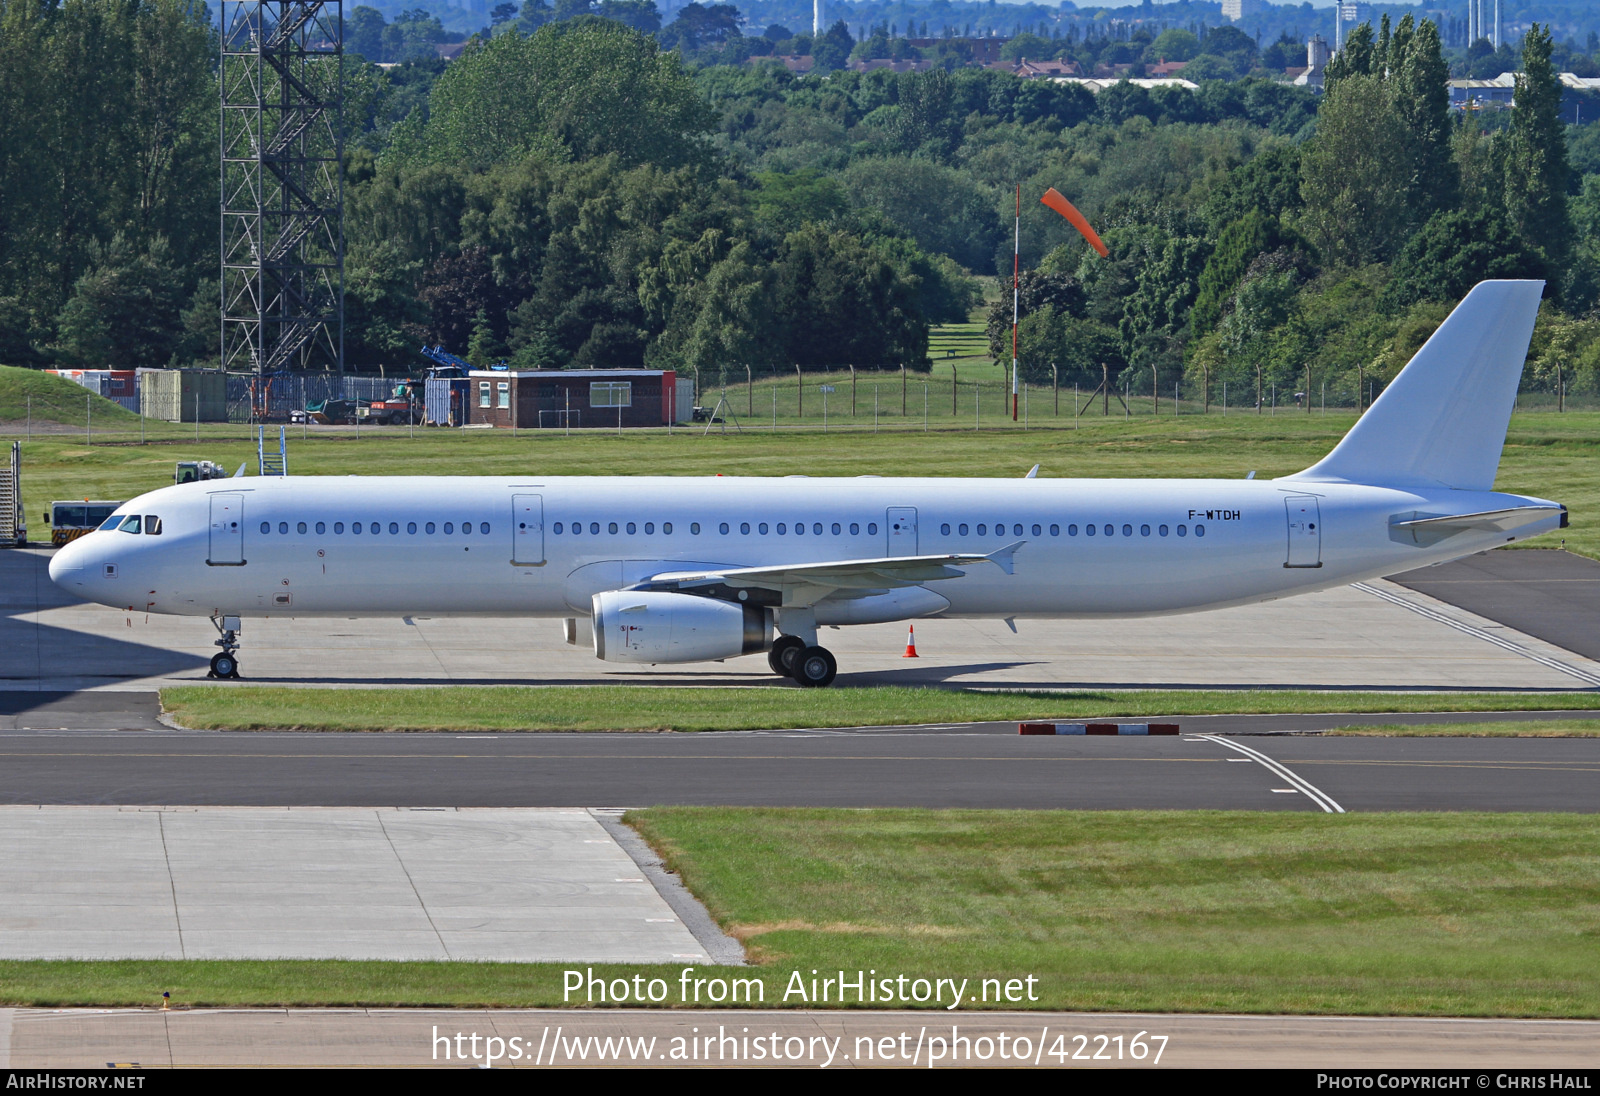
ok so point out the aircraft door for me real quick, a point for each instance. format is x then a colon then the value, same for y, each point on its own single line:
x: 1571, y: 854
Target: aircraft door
x: 227, y: 531
x: 1305, y: 531
x: 527, y: 530
x: 900, y: 522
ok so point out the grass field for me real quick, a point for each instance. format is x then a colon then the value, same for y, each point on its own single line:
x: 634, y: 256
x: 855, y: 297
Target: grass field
x: 661, y: 708
x: 1533, y: 728
x: 1547, y: 454
x: 1379, y: 914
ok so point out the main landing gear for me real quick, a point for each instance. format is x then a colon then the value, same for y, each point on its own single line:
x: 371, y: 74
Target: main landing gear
x: 226, y: 665
x: 811, y: 667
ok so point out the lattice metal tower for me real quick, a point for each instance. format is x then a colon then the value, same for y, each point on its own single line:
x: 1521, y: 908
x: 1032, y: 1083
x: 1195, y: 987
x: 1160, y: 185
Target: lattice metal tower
x: 282, y: 134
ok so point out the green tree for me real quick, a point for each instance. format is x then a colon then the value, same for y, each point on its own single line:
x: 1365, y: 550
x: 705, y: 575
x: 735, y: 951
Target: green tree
x: 1536, y: 153
x: 1237, y: 247
x: 831, y: 51
x: 1355, y: 174
x: 582, y: 89
x: 126, y: 310
x: 1421, y: 101
x: 1454, y: 251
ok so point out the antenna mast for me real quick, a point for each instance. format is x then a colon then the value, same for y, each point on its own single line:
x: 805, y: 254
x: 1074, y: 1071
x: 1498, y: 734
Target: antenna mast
x: 1016, y: 271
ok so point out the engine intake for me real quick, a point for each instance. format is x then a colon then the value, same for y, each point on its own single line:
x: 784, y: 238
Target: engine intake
x: 655, y: 626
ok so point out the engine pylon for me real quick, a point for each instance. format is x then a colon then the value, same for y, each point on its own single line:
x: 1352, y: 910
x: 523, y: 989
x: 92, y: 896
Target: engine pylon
x: 911, y: 642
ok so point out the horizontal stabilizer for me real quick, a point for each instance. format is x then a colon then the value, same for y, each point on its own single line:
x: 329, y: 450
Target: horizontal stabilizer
x: 1442, y: 421
x: 1424, y: 530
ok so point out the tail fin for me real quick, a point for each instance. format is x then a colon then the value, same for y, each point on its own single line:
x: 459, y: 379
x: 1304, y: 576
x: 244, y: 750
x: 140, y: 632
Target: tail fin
x: 1442, y: 422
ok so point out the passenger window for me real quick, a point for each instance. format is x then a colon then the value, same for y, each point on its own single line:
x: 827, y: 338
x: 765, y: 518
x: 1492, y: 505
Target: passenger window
x: 723, y: 528
x: 1016, y: 530
x: 449, y: 527
x: 355, y: 527
x: 1037, y: 531
x: 466, y: 529
x: 782, y: 528
x: 762, y: 528
x: 321, y: 528
x: 1199, y: 530
x: 612, y: 528
x: 394, y: 527
x: 694, y: 528
x: 983, y: 530
x: 744, y: 528
x: 666, y: 528
x: 1110, y: 529
x: 1055, y: 530
x: 799, y: 528
x: 283, y: 527
x: 855, y: 528
x: 1089, y: 529
x: 649, y: 527
x: 835, y: 528
x: 556, y: 528
x: 1162, y: 529
x: 632, y: 528
x: 816, y: 528
x: 872, y: 528
x: 1183, y: 531
x: 411, y: 527
x: 944, y: 530
x: 594, y: 528
x: 300, y: 527
x: 1072, y: 530
x: 1144, y: 530
x: 483, y: 527
x: 428, y: 528
x: 962, y: 529
x: 338, y: 527
x: 1127, y: 530
x: 266, y: 527
x: 374, y: 528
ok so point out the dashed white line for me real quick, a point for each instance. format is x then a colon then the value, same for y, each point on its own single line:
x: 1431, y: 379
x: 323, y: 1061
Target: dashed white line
x: 1317, y: 796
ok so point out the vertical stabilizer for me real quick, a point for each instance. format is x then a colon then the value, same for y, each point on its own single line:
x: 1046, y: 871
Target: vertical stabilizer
x: 1442, y: 422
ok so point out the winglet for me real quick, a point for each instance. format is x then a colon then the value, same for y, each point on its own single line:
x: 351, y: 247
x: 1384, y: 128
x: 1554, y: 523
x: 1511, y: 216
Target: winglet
x: 242, y: 467
x: 1033, y: 473
x: 1002, y: 557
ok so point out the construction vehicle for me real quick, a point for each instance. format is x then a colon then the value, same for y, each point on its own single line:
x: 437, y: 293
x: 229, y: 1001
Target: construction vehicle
x: 191, y: 471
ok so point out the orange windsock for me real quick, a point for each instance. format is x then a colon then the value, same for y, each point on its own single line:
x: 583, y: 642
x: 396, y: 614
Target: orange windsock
x: 1055, y: 201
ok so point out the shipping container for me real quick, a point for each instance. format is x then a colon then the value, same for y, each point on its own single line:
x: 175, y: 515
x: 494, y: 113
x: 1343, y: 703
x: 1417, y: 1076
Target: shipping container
x: 179, y: 395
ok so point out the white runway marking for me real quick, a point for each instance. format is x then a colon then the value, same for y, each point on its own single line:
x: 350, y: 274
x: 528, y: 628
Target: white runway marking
x: 1318, y: 797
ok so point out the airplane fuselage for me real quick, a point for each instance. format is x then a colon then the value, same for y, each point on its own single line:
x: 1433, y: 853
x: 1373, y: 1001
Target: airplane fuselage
x: 543, y: 546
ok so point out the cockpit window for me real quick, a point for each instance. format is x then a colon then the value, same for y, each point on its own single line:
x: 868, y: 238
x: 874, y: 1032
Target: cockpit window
x: 152, y: 525
x: 112, y: 522
x: 130, y: 524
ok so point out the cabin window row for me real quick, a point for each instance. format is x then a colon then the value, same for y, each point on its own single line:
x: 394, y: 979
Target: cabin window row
x: 760, y: 528
x: 1109, y: 529
x: 449, y: 528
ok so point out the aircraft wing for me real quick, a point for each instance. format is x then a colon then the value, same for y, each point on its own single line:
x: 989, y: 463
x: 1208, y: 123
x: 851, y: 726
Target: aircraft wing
x: 807, y: 583
x: 1431, y: 530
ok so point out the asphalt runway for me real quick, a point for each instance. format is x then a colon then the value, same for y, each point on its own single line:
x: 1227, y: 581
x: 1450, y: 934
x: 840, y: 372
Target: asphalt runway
x: 1552, y: 595
x: 988, y: 766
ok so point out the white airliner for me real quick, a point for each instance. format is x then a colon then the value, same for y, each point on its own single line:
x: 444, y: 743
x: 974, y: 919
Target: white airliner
x: 674, y: 569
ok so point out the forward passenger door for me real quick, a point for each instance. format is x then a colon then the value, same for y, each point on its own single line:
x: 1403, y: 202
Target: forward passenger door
x: 900, y: 523
x: 527, y: 530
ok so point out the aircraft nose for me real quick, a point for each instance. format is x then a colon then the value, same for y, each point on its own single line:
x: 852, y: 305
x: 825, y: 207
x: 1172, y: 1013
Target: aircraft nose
x: 66, y: 566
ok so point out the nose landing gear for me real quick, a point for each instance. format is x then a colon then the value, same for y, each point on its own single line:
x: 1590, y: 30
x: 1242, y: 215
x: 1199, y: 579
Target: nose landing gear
x: 226, y: 665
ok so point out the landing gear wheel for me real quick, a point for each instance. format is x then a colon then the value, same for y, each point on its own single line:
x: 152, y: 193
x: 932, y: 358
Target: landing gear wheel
x: 784, y: 654
x: 224, y: 665
x: 815, y: 668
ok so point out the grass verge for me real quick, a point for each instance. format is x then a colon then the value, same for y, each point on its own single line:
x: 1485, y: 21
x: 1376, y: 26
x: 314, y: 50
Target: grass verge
x: 1533, y: 728
x: 1376, y: 914
x: 663, y: 708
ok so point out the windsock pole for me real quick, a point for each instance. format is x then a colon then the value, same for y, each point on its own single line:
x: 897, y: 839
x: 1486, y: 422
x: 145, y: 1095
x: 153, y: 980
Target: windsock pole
x: 1016, y: 272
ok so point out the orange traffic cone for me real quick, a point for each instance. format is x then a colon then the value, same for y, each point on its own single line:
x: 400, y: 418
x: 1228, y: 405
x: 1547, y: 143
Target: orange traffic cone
x: 911, y: 642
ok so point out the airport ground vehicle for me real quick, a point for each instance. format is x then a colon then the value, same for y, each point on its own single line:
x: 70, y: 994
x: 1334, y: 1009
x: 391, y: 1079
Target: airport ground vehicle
x: 70, y: 520
x: 191, y: 471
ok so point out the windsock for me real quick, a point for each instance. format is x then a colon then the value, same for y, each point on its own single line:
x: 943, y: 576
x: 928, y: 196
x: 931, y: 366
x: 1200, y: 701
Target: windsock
x: 1055, y: 201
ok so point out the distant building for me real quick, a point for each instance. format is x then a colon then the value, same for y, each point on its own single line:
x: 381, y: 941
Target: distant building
x: 1166, y: 68
x: 1346, y: 17
x: 1097, y: 85
x: 1317, y: 57
x: 1238, y: 9
x: 1578, y: 92
x: 876, y: 63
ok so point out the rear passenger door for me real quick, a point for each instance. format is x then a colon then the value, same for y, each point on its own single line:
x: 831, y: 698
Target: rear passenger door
x: 527, y: 530
x: 900, y: 523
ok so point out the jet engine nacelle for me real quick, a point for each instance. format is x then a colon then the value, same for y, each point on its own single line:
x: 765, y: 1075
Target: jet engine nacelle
x: 653, y: 626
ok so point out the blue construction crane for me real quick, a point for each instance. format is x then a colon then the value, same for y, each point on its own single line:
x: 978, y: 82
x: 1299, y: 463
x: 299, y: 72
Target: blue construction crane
x: 445, y: 358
